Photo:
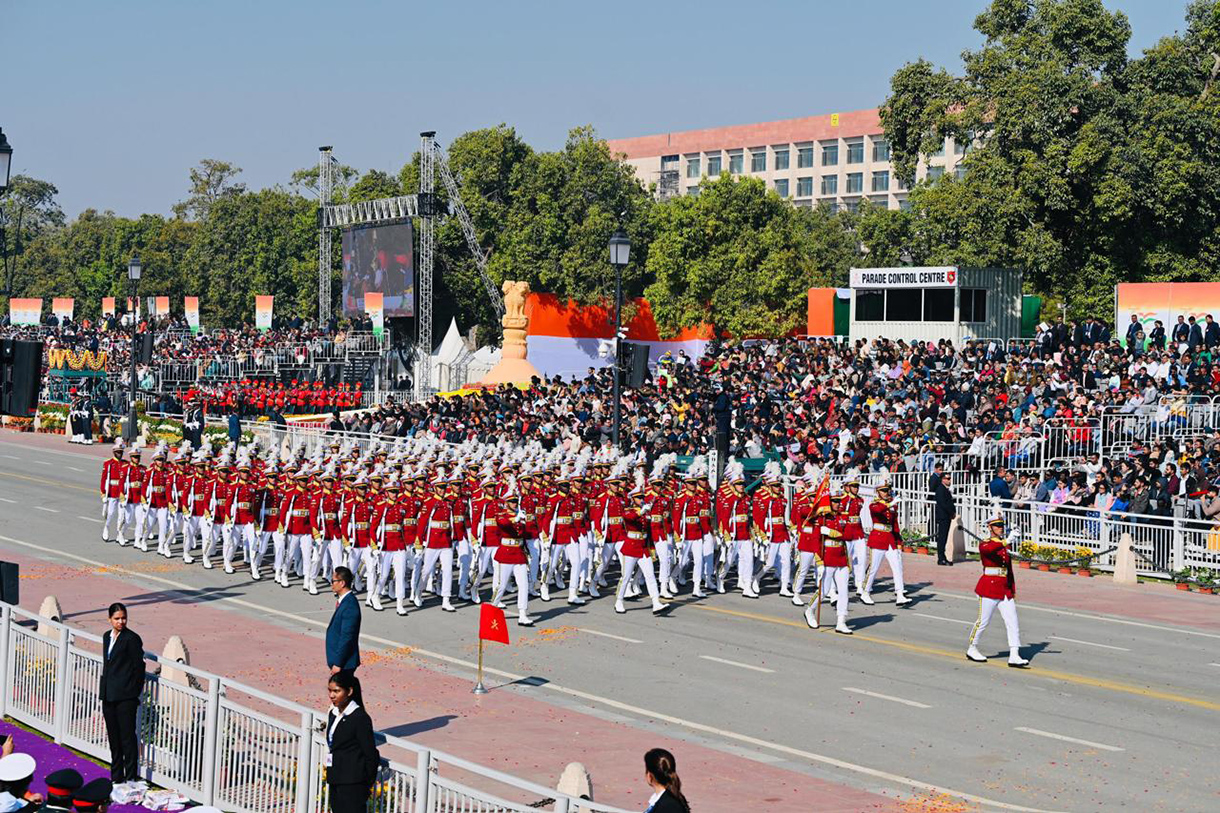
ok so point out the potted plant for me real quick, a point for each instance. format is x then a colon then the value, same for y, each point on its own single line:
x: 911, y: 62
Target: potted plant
x: 1085, y: 557
x: 1028, y: 550
x: 1181, y: 578
x: 1064, y: 559
x: 1205, y: 581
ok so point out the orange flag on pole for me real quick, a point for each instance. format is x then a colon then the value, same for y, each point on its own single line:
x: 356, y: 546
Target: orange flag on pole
x: 492, y: 624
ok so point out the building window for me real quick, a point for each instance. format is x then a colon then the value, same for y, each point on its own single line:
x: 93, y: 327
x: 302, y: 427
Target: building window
x: 855, y: 152
x: 938, y: 305
x: 758, y: 160
x: 974, y: 305
x: 781, y: 159
x: 781, y: 187
x: 881, y: 181
x: 853, y: 205
x: 881, y: 202
x: 692, y: 167
x: 669, y: 162
x: 904, y: 305
x: 713, y: 166
x: 831, y: 206
x: 904, y: 205
x: 830, y: 155
x: 692, y: 191
x: 804, y: 157
x: 870, y: 306
x: 736, y: 163
x: 855, y: 182
x: 804, y: 187
x: 935, y: 173
x: 830, y: 184
x: 959, y: 171
x: 881, y: 149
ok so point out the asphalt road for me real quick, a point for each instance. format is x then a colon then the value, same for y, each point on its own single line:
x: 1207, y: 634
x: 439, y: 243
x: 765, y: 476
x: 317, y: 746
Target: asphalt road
x: 1111, y: 715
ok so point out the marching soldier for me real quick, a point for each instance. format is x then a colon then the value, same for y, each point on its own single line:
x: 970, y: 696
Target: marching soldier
x: 883, y: 544
x: 837, y: 562
x: 112, y: 487
x: 219, y: 494
x: 157, y: 498
x: 996, y: 588
x: 270, y: 529
x: 735, y: 520
x: 241, y: 519
x: 389, y: 521
x: 132, y: 498
x: 298, y: 530
x: 325, y: 511
x: 851, y: 507
x: 197, y: 502
x: 511, y: 528
x: 357, y: 536
x: 811, y: 519
x: 436, y: 531
x: 637, y: 549
x: 693, y: 528
x: 770, y: 518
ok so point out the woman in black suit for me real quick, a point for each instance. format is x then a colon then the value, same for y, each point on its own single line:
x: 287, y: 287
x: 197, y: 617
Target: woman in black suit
x: 122, y: 685
x: 661, y: 772
x: 351, y: 764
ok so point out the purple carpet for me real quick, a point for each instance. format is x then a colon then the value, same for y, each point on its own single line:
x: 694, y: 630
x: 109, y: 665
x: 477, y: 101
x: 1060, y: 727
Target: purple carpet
x: 51, y: 757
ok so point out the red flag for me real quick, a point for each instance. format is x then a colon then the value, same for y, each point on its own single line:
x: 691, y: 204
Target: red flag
x: 492, y: 624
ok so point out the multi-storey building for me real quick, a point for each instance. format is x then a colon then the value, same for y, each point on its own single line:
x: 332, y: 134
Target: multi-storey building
x: 836, y: 159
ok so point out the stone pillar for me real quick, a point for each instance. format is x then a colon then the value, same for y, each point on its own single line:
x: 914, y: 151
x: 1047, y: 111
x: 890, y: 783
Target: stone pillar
x: 1124, y: 562
x: 575, y: 781
x: 513, y: 367
x: 51, y: 609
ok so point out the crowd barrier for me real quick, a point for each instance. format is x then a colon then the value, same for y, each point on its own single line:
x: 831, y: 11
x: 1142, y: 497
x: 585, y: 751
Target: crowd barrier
x: 223, y: 743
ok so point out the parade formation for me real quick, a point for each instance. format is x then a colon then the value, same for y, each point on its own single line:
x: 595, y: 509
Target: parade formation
x: 408, y: 518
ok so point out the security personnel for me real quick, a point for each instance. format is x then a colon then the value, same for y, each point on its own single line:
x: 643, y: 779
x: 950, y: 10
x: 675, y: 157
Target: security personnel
x: 883, y: 544
x: 996, y: 588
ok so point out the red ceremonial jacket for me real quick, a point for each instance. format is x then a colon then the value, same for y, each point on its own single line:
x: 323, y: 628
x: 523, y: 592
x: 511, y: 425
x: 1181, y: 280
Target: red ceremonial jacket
x: 885, y: 532
x: 997, y: 580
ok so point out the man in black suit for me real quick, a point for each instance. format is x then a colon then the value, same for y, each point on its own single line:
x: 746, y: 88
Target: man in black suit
x: 1211, y: 333
x: 945, y: 512
x: 122, y: 686
x: 343, y: 631
x: 1195, y: 340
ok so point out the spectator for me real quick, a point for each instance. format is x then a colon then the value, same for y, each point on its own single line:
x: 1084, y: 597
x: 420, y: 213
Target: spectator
x: 122, y: 685
x: 234, y: 427
x: 352, y: 763
x: 661, y: 773
x: 999, y: 487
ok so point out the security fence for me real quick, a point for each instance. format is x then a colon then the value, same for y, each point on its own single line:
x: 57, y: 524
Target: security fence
x: 223, y: 743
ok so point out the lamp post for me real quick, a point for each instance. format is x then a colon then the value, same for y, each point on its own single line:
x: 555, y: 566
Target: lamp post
x: 620, y: 253
x: 133, y: 276
x: 6, y: 165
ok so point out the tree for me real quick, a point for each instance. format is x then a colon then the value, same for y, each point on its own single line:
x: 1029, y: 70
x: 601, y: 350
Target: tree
x: 27, y: 210
x: 738, y: 257
x: 210, y: 182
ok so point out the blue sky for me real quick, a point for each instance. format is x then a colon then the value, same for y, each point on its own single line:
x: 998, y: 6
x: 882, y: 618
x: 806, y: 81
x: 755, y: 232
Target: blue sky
x: 115, y: 101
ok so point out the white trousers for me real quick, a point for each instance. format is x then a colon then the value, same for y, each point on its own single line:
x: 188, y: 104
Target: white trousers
x: 133, y: 518
x: 807, y: 565
x: 235, y: 535
x: 445, y: 557
x: 465, y: 557
x: 287, y: 549
x: 836, y: 579
x: 1008, y: 611
x: 112, y: 510
x: 857, y: 552
x: 894, y: 557
x: 486, y: 562
x: 782, y: 551
x: 745, y: 564
x: 356, y: 556
x: 520, y: 575
x: 395, y: 561
x: 212, y: 531
x: 630, y: 563
x: 190, y: 533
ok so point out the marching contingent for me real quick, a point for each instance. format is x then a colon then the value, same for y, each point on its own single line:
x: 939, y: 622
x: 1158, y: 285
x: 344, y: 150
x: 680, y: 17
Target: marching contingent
x: 404, y: 516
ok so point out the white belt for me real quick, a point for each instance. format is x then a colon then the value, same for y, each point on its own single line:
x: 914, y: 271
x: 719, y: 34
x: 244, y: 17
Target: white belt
x: 511, y: 543
x: 995, y: 571
x: 877, y: 526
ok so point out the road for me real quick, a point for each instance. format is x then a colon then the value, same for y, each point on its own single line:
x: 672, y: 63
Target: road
x: 1114, y: 712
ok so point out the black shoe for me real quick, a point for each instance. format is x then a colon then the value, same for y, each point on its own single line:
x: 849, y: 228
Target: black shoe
x: 942, y: 562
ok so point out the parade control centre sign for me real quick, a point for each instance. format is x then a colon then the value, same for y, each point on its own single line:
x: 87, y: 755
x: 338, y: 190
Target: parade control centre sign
x: 928, y: 277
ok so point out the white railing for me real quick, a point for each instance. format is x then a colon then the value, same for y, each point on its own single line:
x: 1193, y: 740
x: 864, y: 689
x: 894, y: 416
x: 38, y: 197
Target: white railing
x: 223, y: 743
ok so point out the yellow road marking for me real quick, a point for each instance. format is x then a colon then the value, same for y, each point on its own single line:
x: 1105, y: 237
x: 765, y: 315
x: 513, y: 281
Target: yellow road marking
x: 1039, y: 672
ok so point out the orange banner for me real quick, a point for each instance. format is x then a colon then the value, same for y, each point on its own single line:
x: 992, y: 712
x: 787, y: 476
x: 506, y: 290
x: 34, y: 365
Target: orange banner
x: 63, y: 307
x: 24, y: 311
x: 162, y: 303
x: 263, y: 306
x: 190, y: 304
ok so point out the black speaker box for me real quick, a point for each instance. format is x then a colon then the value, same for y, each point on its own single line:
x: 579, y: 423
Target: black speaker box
x: 20, y: 376
x: 9, y: 589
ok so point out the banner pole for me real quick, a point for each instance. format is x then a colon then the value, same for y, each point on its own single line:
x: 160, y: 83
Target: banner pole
x: 479, y: 688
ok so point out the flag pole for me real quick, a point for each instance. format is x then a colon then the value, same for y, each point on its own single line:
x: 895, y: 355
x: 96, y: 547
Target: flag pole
x: 479, y: 688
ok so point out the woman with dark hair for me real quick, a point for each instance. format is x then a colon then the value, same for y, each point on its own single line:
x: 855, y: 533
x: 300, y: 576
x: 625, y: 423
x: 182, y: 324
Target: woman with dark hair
x: 352, y: 758
x: 121, y: 687
x: 661, y: 772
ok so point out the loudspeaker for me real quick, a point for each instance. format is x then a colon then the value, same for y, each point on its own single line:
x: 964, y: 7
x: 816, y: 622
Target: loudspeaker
x: 20, y: 376
x: 145, y: 350
x: 635, y: 364
x: 9, y: 589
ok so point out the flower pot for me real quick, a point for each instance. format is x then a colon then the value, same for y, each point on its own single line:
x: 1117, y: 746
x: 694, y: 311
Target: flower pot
x: 923, y: 550
x: 1206, y: 591
x: 1023, y: 565
x: 1044, y: 568
x: 1183, y: 586
x: 1066, y: 571
x: 1084, y: 571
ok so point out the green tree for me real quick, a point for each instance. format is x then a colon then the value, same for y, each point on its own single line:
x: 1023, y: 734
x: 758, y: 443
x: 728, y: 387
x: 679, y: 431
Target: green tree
x: 740, y: 258
x: 27, y: 210
x: 210, y: 181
